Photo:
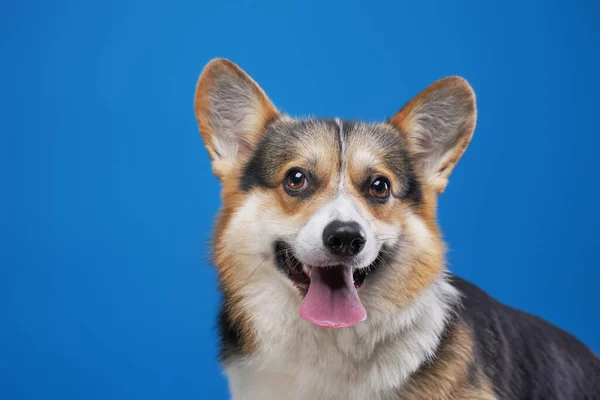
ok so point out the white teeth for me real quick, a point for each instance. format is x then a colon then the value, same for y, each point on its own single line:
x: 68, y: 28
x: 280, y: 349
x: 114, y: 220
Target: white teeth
x: 306, y: 269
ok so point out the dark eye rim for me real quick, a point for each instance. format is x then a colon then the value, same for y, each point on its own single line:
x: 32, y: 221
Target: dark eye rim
x: 387, y: 183
x: 292, y: 191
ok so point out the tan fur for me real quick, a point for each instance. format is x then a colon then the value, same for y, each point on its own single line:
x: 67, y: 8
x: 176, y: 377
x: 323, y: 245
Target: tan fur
x: 318, y: 154
x: 229, y: 275
x: 449, y: 377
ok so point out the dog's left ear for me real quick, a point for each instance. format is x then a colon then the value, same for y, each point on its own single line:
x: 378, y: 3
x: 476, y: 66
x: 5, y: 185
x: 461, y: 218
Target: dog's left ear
x: 232, y: 111
x: 438, y: 125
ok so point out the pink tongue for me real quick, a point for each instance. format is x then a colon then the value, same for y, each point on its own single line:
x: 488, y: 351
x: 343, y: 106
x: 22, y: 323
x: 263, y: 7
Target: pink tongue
x: 332, y: 300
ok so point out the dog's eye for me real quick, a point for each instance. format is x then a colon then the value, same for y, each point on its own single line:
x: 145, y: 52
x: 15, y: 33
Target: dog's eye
x: 295, y: 181
x: 380, y: 188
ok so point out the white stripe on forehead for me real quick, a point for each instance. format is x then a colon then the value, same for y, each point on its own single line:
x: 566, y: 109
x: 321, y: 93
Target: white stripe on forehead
x: 344, y: 209
x: 340, y: 126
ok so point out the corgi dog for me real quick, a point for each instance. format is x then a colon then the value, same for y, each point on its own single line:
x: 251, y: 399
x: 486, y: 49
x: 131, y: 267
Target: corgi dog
x: 332, y: 265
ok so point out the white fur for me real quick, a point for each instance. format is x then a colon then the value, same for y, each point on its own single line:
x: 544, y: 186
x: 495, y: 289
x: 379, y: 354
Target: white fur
x: 297, y: 360
x: 309, y: 247
x: 340, y: 126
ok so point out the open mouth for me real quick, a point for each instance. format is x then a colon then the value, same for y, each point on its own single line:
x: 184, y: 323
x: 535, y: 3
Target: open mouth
x: 300, y: 273
x: 330, y: 297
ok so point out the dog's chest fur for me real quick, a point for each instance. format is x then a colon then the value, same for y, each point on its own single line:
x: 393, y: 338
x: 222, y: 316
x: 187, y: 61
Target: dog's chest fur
x: 296, y: 360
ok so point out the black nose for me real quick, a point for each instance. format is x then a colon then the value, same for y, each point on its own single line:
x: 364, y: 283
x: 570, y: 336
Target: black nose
x: 344, y: 238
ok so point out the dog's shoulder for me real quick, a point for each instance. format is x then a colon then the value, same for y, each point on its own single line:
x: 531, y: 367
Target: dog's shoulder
x: 524, y: 356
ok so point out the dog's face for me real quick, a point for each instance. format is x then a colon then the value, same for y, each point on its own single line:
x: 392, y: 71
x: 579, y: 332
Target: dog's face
x: 337, y: 215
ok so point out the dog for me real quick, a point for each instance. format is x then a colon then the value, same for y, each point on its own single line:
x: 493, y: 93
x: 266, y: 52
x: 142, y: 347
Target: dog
x: 332, y: 265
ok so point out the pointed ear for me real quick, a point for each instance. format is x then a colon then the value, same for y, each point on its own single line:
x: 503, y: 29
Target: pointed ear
x: 438, y: 125
x: 231, y: 110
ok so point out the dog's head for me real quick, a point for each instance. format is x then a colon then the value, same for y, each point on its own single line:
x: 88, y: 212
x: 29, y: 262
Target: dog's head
x: 336, y: 218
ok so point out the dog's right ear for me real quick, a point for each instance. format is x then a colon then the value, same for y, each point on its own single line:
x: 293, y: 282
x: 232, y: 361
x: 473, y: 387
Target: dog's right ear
x: 231, y: 110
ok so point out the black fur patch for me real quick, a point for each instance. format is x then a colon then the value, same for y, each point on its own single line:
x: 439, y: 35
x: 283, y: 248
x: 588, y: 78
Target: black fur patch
x: 414, y: 192
x: 229, y: 335
x: 524, y: 356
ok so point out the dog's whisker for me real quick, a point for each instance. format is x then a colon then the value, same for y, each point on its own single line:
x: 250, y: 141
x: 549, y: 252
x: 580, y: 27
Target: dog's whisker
x: 254, y: 271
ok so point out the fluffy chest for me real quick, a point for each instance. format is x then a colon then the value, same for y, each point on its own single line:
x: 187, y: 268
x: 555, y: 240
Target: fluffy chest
x: 327, y: 366
x: 296, y: 360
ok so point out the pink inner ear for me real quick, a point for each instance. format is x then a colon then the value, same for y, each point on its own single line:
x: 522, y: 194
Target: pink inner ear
x: 231, y: 110
x: 438, y: 125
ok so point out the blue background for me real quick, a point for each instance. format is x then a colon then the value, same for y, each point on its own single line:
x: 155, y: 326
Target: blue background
x: 108, y: 199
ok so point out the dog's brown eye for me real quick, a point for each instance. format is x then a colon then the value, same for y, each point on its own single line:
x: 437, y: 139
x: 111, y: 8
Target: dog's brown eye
x: 380, y: 188
x: 295, y: 181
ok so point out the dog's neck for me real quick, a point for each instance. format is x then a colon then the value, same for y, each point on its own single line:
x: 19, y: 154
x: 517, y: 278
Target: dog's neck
x: 371, y: 360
